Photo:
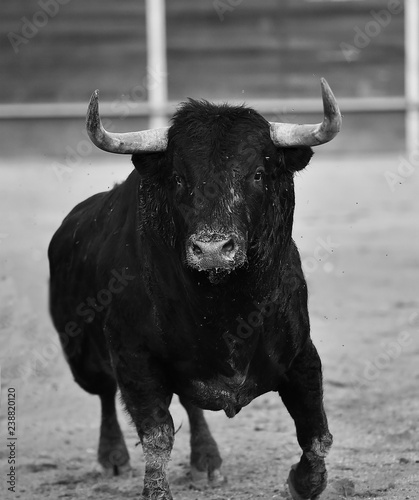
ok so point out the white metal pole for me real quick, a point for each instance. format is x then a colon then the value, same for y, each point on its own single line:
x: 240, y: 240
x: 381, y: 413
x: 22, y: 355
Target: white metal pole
x: 156, y: 62
x: 412, y: 74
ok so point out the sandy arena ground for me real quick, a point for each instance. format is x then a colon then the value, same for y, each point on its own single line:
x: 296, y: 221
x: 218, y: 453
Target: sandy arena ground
x: 364, y: 305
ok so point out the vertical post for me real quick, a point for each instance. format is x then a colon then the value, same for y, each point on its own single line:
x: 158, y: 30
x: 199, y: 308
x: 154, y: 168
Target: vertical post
x: 156, y: 62
x: 412, y: 74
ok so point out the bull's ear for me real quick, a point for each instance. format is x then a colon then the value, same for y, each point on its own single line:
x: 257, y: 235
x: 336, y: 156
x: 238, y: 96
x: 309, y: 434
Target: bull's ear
x: 296, y: 158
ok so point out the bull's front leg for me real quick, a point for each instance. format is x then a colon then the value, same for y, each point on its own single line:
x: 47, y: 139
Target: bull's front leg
x: 302, y: 394
x: 147, y: 400
x: 157, y: 437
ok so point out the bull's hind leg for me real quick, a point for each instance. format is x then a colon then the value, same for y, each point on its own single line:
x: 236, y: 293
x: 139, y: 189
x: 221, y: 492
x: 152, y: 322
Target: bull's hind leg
x: 205, y: 457
x: 113, y: 455
x: 90, y: 365
x: 302, y: 394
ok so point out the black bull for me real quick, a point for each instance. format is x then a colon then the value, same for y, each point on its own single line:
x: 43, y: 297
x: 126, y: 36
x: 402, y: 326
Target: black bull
x: 185, y: 279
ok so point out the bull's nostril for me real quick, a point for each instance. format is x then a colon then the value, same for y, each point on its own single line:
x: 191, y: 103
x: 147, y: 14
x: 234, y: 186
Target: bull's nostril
x: 229, y: 246
x: 195, y: 249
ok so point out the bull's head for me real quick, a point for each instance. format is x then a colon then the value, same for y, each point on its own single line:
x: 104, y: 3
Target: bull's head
x: 227, y: 174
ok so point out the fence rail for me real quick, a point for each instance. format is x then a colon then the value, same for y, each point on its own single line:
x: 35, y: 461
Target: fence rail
x: 143, y: 109
x: 158, y: 109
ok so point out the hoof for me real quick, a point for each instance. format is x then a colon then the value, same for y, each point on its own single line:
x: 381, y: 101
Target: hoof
x: 113, y: 456
x: 291, y: 482
x: 157, y: 496
x: 206, y: 463
x: 156, y: 490
x: 198, y: 476
x: 215, y: 478
x: 206, y: 478
x: 115, y: 461
x: 117, y: 470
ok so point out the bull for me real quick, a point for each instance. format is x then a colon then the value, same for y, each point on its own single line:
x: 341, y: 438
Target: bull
x: 184, y: 279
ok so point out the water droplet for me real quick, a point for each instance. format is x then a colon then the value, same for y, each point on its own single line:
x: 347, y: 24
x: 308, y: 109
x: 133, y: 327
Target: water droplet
x: 328, y: 267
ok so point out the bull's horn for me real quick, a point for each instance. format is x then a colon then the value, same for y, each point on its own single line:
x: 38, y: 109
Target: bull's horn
x: 290, y: 135
x: 125, y: 143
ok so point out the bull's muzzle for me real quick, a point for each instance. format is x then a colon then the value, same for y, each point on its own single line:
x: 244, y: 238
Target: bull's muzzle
x: 215, y: 252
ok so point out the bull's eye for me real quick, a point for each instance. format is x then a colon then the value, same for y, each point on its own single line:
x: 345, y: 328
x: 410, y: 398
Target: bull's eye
x: 178, y: 180
x: 258, y: 177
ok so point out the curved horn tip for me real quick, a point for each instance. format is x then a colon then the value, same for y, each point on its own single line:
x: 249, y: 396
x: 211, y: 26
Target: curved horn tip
x: 94, y: 99
x: 93, y: 122
x: 331, y: 106
x: 323, y: 83
x: 93, y: 103
x: 327, y: 93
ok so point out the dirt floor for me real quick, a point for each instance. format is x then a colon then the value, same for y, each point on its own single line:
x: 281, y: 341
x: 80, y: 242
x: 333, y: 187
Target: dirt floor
x: 364, y: 305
